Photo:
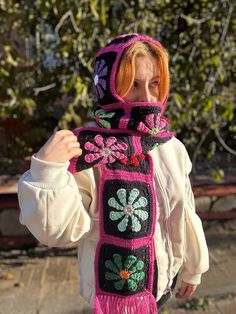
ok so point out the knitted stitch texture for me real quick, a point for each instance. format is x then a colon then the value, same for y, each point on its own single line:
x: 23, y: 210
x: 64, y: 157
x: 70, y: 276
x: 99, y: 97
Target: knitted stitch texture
x: 124, y: 260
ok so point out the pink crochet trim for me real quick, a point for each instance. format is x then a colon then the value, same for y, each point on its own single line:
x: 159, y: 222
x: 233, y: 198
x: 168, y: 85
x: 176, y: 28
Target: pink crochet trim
x: 140, y: 304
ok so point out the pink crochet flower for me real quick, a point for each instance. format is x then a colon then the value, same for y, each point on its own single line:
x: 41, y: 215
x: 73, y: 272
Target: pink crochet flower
x: 107, y: 149
x: 153, y: 125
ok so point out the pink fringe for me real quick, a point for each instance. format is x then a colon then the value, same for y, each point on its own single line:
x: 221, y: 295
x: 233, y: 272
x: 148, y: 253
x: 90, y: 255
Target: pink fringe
x: 145, y: 304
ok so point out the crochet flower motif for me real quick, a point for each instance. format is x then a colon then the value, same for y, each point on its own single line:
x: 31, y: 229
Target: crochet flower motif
x: 100, y: 116
x: 153, y: 125
x: 130, y: 272
x: 129, y: 210
x: 99, y: 82
x: 109, y: 150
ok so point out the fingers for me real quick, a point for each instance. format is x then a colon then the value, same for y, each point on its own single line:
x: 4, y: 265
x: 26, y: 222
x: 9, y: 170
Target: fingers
x: 74, y: 152
x: 190, y: 291
x: 186, y: 290
x: 69, y: 139
x: 68, y: 142
x: 63, y: 132
x: 61, y: 147
x: 73, y: 149
x: 63, y: 135
x: 181, y: 291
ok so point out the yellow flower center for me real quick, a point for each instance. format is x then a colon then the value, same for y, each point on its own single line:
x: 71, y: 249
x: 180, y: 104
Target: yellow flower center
x: 124, y: 274
x: 154, y: 131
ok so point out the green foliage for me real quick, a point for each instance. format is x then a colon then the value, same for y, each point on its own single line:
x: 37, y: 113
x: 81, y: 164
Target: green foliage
x: 218, y: 175
x: 197, y: 303
x: 47, y: 52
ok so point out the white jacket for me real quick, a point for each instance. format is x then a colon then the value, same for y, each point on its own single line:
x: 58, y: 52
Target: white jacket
x: 60, y: 208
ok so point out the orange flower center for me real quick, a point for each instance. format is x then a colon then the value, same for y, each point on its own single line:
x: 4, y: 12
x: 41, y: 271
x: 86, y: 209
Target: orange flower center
x: 124, y: 274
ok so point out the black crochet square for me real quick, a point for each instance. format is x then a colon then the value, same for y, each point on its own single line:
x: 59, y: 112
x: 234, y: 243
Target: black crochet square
x: 150, y: 142
x: 88, y: 136
x: 128, y: 208
x: 115, y: 120
x: 123, y: 271
x: 138, y: 113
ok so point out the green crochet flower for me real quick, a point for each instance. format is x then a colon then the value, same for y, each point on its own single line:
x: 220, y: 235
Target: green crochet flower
x: 100, y: 115
x: 130, y: 209
x: 130, y: 272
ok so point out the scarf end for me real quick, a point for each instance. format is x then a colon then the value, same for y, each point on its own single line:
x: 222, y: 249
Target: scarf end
x: 105, y: 304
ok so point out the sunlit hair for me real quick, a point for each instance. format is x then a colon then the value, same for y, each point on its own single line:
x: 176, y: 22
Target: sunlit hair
x: 126, y: 70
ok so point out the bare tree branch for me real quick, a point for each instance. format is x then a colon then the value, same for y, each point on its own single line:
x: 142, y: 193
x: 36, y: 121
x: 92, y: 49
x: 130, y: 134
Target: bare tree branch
x: 69, y: 14
x: 209, y: 88
x: 191, y: 20
x: 37, y: 90
x: 231, y: 8
x: 196, y: 151
x: 222, y: 142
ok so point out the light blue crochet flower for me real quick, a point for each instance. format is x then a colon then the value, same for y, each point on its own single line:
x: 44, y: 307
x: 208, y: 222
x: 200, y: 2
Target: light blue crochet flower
x: 131, y: 209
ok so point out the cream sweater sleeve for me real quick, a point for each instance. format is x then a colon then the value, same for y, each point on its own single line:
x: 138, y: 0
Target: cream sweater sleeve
x: 51, y: 205
x: 196, y: 258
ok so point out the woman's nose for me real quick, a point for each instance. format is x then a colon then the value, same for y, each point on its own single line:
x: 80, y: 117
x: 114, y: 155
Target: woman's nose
x: 146, y: 96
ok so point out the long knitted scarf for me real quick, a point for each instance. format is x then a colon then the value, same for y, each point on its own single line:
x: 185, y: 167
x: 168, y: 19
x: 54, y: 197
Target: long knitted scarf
x: 124, y: 260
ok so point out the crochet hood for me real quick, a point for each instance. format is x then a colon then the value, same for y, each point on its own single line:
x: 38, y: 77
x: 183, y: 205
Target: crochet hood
x: 106, y: 64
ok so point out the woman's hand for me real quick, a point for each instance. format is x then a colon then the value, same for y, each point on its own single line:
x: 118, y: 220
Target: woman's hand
x: 60, y: 147
x: 186, y: 290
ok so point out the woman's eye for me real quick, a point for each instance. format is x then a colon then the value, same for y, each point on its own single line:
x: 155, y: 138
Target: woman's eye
x: 155, y: 84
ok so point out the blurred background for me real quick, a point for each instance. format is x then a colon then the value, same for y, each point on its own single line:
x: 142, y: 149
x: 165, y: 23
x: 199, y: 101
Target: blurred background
x: 47, y: 50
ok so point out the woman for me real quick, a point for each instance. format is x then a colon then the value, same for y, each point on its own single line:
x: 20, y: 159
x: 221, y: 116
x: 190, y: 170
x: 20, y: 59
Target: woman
x: 127, y: 198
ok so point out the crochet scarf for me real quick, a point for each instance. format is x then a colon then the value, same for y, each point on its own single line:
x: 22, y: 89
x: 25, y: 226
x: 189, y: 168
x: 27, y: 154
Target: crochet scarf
x: 120, y: 146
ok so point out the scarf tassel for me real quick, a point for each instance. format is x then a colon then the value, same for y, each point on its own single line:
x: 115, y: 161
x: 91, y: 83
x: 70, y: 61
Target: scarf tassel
x: 145, y: 304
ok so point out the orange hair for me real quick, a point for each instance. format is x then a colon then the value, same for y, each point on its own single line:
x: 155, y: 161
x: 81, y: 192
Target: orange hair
x: 126, y: 70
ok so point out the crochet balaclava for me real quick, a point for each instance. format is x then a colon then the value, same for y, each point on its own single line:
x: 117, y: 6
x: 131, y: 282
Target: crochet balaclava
x: 127, y: 199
